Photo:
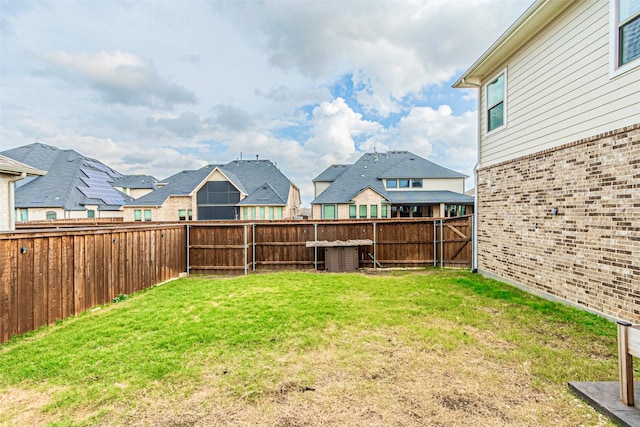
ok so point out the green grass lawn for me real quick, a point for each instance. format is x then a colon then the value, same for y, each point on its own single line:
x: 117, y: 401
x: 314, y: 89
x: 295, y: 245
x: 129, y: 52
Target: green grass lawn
x: 424, y: 347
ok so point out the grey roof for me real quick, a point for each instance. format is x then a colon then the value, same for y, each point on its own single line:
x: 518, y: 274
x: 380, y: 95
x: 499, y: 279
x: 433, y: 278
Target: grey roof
x: 135, y: 182
x: 331, y: 173
x: 13, y: 167
x: 369, y: 170
x: 72, y: 180
x: 250, y: 176
x: 264, y: 195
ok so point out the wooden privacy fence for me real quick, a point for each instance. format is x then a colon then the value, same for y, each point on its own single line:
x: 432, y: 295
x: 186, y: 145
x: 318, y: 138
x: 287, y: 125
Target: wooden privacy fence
x: 49, y: 275
x: 240, y: 247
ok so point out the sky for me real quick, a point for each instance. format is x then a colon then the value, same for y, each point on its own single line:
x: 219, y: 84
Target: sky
x: 158, y: 86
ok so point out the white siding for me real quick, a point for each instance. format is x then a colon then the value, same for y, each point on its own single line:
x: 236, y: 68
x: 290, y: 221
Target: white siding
x: 559, y: 89
x: 6, y: 201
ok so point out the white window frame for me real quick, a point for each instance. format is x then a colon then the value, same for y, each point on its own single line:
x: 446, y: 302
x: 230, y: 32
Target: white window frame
x: 614, y: 44
x: 504, y: 104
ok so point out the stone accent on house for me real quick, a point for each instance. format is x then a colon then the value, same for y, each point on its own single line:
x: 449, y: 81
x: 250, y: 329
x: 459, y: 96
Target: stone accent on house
x: 588, y: 251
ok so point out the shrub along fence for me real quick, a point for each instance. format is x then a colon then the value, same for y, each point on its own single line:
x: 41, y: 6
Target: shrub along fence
x: 234, y: 248
x: 49, y: 275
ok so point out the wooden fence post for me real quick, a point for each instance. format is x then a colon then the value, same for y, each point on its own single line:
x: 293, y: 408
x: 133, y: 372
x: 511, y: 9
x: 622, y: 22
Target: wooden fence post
x: 625, y: 364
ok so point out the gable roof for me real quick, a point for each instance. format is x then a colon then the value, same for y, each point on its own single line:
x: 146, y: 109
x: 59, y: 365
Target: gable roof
x: 371, y: 168
x: 13, y: 167
x: 264, y: 195
x: 72, y: 180
x: 533, y: 20
x: 179, y: 184
x: 249, y: 176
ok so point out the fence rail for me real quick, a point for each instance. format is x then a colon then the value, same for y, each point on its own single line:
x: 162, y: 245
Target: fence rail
x: 234, y: 248
x: 49, y: 275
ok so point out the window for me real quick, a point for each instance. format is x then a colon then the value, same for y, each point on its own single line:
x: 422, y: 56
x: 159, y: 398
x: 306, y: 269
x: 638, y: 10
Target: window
x: 279, y: 212
x: 374, y: 211
x: 625, y: 32
x: 404, y: 183
x: 271, y: 212
x: 253, y: 212
x: 51, y: 215
x: 245, y: 213
x: 352, y: 211
x: 182, y: 214
x: 217, y: 200
x: 190, y: 214
x: 147, y: 214
x: 137, y: 215
x: 495, y: 94
x: 261, y: 212
x: 392, y: 183
x: 384, y: 211
x: 329, y: 211
x: 416, y: 183
x: 363, y: 211
x: 91, y: 214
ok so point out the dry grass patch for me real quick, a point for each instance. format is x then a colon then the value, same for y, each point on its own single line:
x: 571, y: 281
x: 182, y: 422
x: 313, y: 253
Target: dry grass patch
x: 406, y: 349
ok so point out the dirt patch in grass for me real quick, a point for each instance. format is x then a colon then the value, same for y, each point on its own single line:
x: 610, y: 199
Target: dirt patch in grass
x: 24, y: 406
x: 404, y: 349
x: 383, y: 384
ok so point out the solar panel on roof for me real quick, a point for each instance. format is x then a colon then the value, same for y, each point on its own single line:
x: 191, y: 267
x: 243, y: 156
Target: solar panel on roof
x: 105, y: 169
x: 96, y: 174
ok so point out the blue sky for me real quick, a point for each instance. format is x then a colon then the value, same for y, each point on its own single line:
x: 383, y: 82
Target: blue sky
x: 155, y: 87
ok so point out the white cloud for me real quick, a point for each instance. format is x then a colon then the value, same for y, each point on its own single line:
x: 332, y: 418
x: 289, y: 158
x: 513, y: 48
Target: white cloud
x: 182, y: 84
x: 334, y: 126
x: 119, y: 77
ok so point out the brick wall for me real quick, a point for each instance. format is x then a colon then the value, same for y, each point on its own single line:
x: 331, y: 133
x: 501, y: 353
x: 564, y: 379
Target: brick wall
x: 589, y: 252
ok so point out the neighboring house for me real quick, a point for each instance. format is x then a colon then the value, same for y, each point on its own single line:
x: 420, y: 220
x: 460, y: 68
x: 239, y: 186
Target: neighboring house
x: 242, y: 189
x: 11, y: 171
x: 389, y: 185
x: 74, y: 187
x: 558, y: 175
x: 135, y: 186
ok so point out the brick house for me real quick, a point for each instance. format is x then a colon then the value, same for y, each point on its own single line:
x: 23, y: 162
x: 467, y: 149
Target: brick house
x: 389, y: 185
x: 241, y: 189
x: 558, y: 175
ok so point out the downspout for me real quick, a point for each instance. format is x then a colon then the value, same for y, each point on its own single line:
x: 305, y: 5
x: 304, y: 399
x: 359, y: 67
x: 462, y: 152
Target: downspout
x: 10, y: 202
x: 474, y: 220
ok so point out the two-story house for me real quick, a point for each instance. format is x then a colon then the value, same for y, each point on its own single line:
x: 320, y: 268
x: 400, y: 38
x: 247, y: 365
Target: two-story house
x: 389, y: 185
x: 558, y: 174
x: 241, y: 189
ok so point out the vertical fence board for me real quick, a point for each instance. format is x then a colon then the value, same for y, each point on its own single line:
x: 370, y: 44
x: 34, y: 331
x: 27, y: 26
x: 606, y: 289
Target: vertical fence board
x: 40, y: 267
x: 54, y: 285
x: 67, y: 276
x: 25, y: 293
x: 78, y: 274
